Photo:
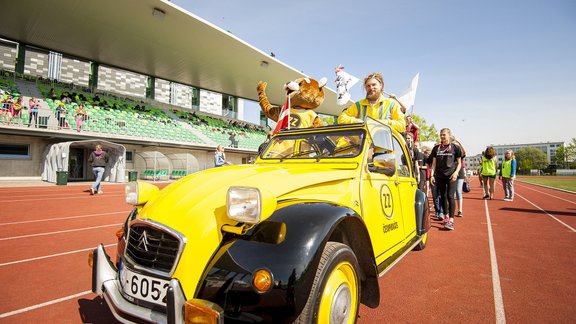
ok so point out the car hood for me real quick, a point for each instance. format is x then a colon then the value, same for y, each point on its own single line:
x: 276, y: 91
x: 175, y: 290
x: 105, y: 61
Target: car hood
x: 195, y: 206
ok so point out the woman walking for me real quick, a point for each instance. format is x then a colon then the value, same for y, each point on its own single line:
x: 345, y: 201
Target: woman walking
x: 489, y: 166
x: 508, y: 174
x: 446, y: 163
x: 98, y: 160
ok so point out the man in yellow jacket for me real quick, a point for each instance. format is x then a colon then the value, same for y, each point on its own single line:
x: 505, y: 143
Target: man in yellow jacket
x: 375, y: 105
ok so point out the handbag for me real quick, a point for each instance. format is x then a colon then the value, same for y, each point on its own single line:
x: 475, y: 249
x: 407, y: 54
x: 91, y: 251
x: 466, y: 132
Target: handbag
x: 466, y: 186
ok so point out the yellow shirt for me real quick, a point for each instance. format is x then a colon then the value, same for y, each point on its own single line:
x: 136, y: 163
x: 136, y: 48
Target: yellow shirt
x: 303, y: 118
x: 386, y: 110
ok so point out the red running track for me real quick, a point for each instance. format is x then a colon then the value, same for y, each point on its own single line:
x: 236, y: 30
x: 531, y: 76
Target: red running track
x: 505, y: 261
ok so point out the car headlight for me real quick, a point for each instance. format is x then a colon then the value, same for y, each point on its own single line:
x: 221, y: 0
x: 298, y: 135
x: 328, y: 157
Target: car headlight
x: 139, y: 193
x: 244, y: 204
x: 131, y: 192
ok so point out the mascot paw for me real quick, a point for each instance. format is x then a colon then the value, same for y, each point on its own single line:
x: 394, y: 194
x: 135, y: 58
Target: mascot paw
x: 261, y: 87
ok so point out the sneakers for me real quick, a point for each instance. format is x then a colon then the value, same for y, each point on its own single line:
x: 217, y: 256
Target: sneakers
x: 440, y: 216
x: 459, y: 214
x: 486, y: 197
x: 92, y: 191
x: 508, y: 199
x: 448, y: 224
x: 100, y: 192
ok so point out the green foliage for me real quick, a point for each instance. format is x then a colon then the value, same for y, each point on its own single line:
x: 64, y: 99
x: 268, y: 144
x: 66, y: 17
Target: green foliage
x: 565, y: 156
x: 529, y: 158
x: 426, y: 132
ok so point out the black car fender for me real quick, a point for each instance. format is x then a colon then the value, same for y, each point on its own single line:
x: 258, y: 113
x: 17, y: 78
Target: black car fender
x: 289, y: 244
x: 421, y: 207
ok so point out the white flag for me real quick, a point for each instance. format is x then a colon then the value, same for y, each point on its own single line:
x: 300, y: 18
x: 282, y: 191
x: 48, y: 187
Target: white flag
x: 344, y: 82
x: 409, y: 95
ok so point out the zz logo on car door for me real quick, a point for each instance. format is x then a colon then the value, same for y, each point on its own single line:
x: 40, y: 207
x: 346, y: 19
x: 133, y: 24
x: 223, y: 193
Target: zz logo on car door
x: 387, y: 201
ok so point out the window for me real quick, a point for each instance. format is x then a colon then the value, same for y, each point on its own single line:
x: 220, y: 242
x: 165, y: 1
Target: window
x: 401, y: 159
x: 129, y: 156
x: 14, y: 151
x: 195, y: 98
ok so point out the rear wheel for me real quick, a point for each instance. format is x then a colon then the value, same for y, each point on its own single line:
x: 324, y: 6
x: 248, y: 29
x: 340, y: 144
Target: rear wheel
x: 335, y: 293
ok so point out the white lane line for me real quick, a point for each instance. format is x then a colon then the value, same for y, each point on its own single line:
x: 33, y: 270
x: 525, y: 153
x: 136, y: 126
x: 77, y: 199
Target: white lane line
x: 498, y: 301
x: 51, y: 255
x: 63, y: 218
x: 542, y: 192
x: 48, y: 303
x: 547, y: 213
x: 88, y: 196
x: 57, y: 232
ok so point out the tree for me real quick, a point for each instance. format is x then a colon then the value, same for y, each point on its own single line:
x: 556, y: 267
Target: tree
x: 560, y: 157
x: 530, y: 158
x: 426, y: 133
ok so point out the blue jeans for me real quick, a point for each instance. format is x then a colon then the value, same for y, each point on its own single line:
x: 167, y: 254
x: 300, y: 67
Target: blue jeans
x: 436, y: 199
x: 99, y: 173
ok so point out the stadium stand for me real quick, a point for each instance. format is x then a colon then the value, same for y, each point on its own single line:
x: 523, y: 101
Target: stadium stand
x: 109, y: 114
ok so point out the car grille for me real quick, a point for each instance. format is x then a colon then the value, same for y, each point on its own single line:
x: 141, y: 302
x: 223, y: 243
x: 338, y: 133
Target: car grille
x: 152, y: 248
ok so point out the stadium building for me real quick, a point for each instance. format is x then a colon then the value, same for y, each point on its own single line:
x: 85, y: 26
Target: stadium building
x: 162, y: 89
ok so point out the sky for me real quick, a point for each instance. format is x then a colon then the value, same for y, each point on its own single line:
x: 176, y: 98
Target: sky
x: 494, y: 72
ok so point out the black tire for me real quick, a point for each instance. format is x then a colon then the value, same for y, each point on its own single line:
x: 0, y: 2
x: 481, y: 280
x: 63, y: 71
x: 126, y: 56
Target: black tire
x: 338, y: 274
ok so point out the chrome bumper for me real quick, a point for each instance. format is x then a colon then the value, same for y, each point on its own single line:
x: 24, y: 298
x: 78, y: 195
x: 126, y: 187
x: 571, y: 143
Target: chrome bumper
x: 105, y: 282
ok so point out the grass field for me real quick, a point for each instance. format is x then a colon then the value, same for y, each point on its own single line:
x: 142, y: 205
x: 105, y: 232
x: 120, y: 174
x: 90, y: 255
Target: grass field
x: 560, y: 182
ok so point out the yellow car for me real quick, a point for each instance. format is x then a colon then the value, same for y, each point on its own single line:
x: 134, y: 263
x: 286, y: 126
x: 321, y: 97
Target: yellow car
x: 301, y: 235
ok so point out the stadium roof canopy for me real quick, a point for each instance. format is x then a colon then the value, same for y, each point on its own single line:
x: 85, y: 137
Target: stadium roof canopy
x: 154, y: 38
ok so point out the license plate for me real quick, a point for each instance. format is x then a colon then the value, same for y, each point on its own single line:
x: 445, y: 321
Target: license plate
x: 143, y: 287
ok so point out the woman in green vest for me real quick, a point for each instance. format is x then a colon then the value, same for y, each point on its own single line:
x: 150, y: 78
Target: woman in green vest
x: 508, y: 174
x: 489, y: 166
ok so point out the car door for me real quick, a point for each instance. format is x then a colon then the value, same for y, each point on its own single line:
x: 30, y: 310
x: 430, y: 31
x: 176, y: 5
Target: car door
x: 381, y: 205
x: 405, y: 186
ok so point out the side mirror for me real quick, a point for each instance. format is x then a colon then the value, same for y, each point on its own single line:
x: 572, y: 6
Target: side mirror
x: 384, y: 163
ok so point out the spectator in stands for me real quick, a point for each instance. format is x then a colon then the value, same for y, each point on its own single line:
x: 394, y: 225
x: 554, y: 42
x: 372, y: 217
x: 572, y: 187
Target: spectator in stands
x: 33, y: 106
x: 220, y: 157
x: 265, y: 143
x: 52, y: 94
x: 80, y: 116
x: 6, y: 104
x: 508, y: 174
x: 489, y: 167
x: 233, y: 141
x: 65, y: 98
x: 446, y: 164
x: 61, y: 111
x: 16, y: 111
x: 98, y: 160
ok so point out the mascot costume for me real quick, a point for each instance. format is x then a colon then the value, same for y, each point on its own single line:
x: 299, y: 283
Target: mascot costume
x: 303, y: 95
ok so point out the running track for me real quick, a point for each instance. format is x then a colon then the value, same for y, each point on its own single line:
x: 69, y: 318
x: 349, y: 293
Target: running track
x: 511, y: 262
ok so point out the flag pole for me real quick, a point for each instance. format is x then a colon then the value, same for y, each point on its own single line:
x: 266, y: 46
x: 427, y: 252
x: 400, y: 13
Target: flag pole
x: 394, y: 97
x: 288, y: 102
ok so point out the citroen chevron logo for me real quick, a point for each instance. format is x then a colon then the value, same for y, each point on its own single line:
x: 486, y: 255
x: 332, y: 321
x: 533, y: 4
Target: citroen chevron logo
x: 143, y: 239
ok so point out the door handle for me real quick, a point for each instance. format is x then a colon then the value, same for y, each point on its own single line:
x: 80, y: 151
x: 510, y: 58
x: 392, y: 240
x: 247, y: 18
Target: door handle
x: 396, y: 182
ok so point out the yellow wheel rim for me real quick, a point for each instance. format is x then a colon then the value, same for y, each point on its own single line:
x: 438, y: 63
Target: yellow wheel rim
x: 340, y: 296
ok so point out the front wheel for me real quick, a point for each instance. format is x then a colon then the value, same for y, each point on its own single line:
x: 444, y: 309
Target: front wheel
x: 335, y: 293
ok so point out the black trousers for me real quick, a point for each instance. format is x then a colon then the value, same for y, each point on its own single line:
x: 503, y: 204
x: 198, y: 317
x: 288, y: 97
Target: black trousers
x: 33, y: 115
x: 446, y: 190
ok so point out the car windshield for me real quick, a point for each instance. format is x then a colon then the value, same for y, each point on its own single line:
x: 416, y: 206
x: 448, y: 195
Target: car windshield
x: 316, y: 145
